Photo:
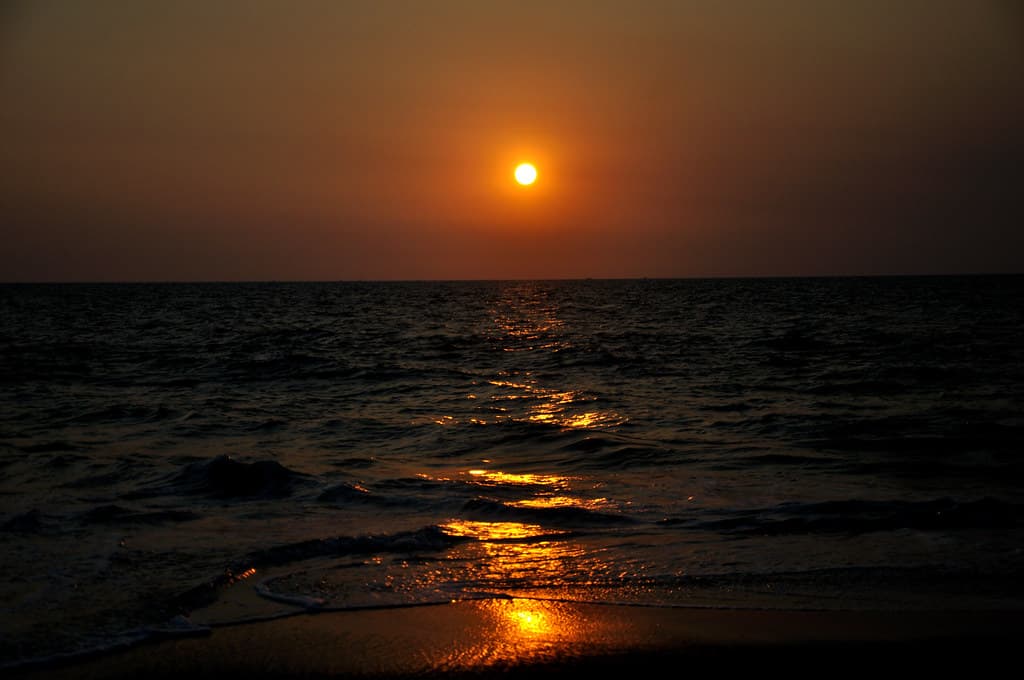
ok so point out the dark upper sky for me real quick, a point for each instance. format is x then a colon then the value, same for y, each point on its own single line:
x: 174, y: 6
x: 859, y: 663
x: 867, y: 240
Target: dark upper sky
x: 323, y: 139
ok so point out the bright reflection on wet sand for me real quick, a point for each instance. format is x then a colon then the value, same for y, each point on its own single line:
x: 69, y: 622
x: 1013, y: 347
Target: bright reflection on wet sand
x: 528, y: 631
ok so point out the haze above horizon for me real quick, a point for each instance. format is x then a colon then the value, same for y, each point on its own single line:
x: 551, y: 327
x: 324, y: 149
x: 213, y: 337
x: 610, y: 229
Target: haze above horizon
x: 324, y: 141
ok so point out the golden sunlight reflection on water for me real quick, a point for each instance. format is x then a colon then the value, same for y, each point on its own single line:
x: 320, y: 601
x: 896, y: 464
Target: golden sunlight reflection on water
x: 528, y: 320
x: 496, y: 477
x: 564, y: 408
x: 523, y: 556
x: 552, y: 491
x: 493, y: 531
x: 528, y: 402
x: 516, y: 558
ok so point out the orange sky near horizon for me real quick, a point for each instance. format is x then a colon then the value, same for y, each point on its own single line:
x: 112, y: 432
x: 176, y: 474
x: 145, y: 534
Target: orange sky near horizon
x: 376, y: 140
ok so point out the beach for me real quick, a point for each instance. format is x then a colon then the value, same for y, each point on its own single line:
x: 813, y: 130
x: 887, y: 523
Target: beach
x: 523, y: 638
x: 471, y: 477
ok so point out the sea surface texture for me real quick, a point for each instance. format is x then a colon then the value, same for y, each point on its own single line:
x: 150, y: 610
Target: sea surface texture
x: 180, y: 456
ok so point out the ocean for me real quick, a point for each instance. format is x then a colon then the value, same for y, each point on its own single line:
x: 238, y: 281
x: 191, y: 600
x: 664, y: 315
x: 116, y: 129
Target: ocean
x: 176, y: 457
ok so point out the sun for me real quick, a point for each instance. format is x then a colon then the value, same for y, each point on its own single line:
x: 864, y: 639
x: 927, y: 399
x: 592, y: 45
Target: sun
x: 526, y: 174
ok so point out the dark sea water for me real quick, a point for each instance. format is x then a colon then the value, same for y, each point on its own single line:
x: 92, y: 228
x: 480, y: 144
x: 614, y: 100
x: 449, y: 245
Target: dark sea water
x: 179, y: 456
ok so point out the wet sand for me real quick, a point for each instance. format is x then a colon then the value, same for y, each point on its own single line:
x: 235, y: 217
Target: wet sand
x: 525, y: 638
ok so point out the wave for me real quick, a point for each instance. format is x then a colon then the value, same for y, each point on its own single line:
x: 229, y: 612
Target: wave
x: 226, y: 477
x: 52, y: 447
x: 862, y: 516
x: 427, y: 539
x: 176, y: 627
x: 116, y: 514
x: 28, y: 522
x: 122, y: 413
x: 345, y: 493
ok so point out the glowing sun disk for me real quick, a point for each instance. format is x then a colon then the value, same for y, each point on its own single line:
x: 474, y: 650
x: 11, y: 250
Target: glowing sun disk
x: 526, y: 174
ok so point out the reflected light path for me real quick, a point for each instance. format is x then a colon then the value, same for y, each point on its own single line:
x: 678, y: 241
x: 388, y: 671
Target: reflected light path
x: 526, y: 572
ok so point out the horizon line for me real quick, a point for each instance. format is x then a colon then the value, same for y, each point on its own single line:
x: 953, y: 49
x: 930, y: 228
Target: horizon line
x: 504, y: 280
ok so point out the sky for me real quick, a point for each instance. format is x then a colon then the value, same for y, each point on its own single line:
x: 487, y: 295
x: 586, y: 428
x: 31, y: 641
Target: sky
x: 332, y: 140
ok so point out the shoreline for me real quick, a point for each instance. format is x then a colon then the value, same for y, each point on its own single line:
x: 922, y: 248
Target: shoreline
x: 510, y: 638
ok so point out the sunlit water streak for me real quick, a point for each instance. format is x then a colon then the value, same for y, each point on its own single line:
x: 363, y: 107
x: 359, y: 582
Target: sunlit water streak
x: 183, y: 455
